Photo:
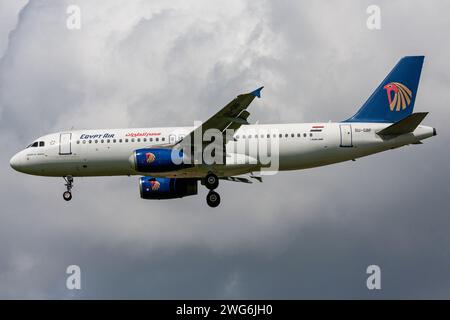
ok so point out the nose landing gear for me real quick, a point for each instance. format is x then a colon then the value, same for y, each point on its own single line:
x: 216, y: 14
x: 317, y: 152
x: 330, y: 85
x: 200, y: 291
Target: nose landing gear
x: 67, y: 195
x: 212, y: 182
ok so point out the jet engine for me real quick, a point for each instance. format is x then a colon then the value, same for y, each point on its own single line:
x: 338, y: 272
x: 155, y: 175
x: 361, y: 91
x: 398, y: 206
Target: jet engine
x: 157, y: 160
x: 166, y: 188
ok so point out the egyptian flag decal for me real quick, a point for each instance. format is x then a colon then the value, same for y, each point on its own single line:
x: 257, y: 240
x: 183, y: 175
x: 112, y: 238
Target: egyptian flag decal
x: 316, y: 129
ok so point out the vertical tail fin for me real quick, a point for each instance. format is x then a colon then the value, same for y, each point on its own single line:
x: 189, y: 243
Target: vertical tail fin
x: 394, y: 98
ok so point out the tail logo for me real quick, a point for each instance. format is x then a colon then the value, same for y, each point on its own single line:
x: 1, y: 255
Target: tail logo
x: 150, y: 157
x: 402, y: 96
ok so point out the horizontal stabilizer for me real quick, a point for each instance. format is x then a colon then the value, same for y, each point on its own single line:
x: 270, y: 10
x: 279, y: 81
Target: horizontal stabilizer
x: 406, y: 125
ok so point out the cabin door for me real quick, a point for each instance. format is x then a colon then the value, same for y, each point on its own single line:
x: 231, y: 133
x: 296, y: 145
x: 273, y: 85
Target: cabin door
x: 346, y: 135
x: 64, y: 143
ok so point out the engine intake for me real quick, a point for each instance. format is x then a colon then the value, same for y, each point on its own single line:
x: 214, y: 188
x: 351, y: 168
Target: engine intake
x: 167, y: 188
x: 157, y: 160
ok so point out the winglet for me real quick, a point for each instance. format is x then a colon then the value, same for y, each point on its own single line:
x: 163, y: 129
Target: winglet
x: 257, y: 92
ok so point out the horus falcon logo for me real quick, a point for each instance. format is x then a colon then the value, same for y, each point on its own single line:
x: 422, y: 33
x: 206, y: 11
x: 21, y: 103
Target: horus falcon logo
x: 402, y: 96
x: 155, y: 185
x: 150, y: 157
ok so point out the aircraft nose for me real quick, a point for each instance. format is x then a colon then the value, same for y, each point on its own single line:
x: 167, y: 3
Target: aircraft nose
x: 15, y: 162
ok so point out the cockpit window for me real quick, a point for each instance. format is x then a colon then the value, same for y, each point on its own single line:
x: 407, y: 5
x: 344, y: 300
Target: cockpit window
x: 41, y: 143
x: 35, y: 144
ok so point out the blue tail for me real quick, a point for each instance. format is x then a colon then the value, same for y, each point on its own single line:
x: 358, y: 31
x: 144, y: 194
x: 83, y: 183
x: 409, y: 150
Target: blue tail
x: 394, y: 98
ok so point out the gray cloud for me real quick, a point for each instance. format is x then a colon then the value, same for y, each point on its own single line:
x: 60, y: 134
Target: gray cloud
x: 306, y: 234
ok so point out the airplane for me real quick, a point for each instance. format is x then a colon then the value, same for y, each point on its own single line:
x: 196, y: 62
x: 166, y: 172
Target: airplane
x: 164, y: 159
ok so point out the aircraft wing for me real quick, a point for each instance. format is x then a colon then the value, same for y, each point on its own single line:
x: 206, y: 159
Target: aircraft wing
x: 232, y: 116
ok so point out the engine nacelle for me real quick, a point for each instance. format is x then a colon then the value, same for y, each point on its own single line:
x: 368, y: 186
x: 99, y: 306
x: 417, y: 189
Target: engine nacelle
x: 166, y: 188
x: 157, y: 160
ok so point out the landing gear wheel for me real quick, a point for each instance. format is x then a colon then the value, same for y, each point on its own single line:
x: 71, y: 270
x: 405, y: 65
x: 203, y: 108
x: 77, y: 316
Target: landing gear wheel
x: 211, y: 181
x: 213, y: 199
x: 67, y: 195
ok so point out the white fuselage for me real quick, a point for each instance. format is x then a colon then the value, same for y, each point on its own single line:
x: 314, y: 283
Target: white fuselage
x: 107, y: 152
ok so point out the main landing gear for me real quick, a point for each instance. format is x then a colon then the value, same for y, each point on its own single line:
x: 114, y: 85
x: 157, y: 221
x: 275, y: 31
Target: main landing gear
x: 212, y: 182
x: 67, y: 195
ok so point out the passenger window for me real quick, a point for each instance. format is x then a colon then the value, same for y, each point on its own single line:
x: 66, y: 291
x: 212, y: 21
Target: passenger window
x: 120, y: 140
x: 304, y: 135
x: 96, y: 141
x: 84, y: 141
x: 292, y: 135
x: 310, y: 134
x: 281, y: 136
x: 139, y: 140
x: 237, y: 137
x: 163, y: 139
x: 156, y: 139
x: 90, y: 141
x: 268, y: 136
x: 286, y: 135
x: 126, y: 140
x: 145, y: 139
x: 298, y: 135
x: 132, y: 140
x: 78, y: 141
x: 151, y: 139
x: 102, y: 141
x: 243, y: 136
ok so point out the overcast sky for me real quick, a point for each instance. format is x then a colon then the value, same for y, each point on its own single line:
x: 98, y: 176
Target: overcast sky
x: 303, y: 234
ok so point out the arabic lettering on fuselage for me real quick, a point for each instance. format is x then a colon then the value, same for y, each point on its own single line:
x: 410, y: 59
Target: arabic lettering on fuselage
x: 142, y: 134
